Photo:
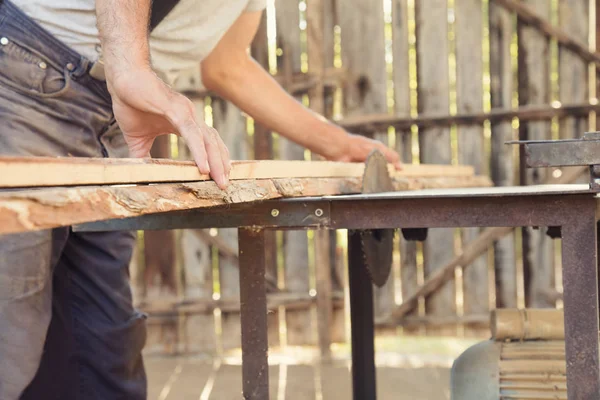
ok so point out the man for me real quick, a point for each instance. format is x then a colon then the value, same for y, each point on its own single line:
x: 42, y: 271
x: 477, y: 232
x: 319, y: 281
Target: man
x: 68, y: 329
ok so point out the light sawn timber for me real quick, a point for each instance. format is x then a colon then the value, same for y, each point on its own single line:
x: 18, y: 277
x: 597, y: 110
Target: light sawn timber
x: 527, y: 324
x: 36, y: 209
x: 21, y: 172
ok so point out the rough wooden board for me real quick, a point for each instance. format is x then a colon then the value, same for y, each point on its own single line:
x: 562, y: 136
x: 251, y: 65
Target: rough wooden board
x: 231, y: 124
x: 365, y: 55
x: 527, y: 324
x: 469, y: 71
x: 435, y: 147
x: 539, y: 19
x: 44, y: 171
x: 299, y: 324
x: 198, y: 331
x: 402, y: 108
x: 374, y: 122
x: 26, y: 210
x: 535, y: 88
x: 47, y: 208
x: 501, y: 163
x: 573, y: 71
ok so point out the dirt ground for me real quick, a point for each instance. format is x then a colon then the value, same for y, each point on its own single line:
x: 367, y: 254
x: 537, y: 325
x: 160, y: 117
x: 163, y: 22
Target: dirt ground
x: 184, y: 379
x: 407, y: 368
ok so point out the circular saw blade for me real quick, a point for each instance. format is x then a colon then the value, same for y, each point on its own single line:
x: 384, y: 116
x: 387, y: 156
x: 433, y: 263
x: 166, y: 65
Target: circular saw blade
x: 377, y: 244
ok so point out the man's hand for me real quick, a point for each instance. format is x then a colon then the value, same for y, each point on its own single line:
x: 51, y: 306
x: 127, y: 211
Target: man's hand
x: 356, y: 148
x: 145, y: 107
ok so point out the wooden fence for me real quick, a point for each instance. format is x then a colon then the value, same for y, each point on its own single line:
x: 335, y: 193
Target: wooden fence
x: 442, y: 81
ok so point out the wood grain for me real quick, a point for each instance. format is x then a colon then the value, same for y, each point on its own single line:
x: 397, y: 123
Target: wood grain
x: 535, y: 88
x: 434, y: 143
x: 469, y: 93
x: 44, y: 171
x: 299, y: 324
x: 502, y: 163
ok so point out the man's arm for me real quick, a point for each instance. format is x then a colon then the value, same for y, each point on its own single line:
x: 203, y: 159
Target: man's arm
x: 232, y: 73
x: 144, y: 106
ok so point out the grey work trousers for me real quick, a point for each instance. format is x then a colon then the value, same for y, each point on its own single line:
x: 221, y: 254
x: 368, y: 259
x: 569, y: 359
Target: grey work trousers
x: 68, y: 329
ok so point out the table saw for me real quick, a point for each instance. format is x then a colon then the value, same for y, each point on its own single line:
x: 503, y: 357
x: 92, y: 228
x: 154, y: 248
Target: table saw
x: 371, y: 217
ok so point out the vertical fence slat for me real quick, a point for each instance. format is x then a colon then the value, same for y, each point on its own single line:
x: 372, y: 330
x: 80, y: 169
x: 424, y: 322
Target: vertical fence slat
x: 502, y: 168
x: 534, y: 88
x: 363, y: 54
x: 323, y: 265
x: 231, y: 125
x: 196, y: 261
x: 469, y: 95
x: 160, y: 271
x: 402, y: 107
x: 572, y: 70
x: 433, y: 97
x: 263, y: 150
x: 299, y: 325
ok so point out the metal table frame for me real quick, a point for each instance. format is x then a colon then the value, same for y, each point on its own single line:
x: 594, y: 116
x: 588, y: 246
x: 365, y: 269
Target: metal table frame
x: 572, y: 208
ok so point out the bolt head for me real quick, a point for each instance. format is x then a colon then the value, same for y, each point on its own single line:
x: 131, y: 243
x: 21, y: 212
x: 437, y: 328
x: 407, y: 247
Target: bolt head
x: 319, y: 212
x: 274, y: 212
x: 4, y: 41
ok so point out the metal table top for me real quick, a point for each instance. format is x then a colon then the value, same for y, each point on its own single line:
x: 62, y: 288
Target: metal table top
x: 502, y: 191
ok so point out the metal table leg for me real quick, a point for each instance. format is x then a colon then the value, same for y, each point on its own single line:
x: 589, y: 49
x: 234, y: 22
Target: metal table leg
x: 253, y: 298
x: 361, y: 317
x: 580, y: 281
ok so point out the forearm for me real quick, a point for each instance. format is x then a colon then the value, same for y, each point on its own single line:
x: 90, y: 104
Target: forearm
x: 123, y: 27
x: 255, y: 92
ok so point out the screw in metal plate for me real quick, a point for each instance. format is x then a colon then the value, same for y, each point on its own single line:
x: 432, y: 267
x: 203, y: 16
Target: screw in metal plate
x: 3, y: 41
x: 274, y: 212
x: 43, y: 65
x: 319, y: 212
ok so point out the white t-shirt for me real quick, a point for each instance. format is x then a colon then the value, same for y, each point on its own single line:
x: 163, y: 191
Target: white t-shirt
x: 183, y: 39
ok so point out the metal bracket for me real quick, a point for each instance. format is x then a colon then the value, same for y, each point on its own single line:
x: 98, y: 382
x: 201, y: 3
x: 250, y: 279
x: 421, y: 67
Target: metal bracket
x: 269, y: 214
x: 565, y: 153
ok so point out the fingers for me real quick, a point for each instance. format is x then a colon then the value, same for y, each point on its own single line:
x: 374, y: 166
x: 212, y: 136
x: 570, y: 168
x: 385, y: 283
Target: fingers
x: 182, y: 116
x: 225, y: 156
x: 392, y: 157
x: 218, y: 169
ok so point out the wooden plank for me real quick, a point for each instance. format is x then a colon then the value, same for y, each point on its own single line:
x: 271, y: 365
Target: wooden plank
x: 323, y: 265
x: 402, y: 108
x: 433, y: 96
x: 299, y: 324
x: 538, y: 19
x: 501, y: 163
x: 20, y: 172
x: 36, y: 209
x: 534, y: 88
x: 49, y: 208
x: 469, y: 94
x: 364, y: 55
x: 371, y: 123
x: 573, y: 18
x: 199, y: 333
x: 231, y: 125
x: 160, y: 272
x: 263, y: 150
x: 573, y: 72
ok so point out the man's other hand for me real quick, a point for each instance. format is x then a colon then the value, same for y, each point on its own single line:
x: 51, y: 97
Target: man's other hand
x: 357, y: 148
x: 145, y: 107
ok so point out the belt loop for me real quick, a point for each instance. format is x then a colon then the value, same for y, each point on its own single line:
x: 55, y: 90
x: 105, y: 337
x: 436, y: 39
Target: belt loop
x: 97, y: 71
